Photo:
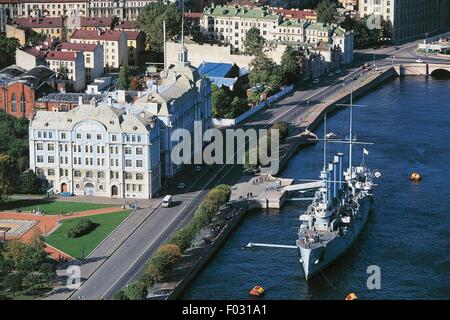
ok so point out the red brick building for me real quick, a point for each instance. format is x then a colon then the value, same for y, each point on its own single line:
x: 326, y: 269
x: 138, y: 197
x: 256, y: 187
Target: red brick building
x: 20, y: 89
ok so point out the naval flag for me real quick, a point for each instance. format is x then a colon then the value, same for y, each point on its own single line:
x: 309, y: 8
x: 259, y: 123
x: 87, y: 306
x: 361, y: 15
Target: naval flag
x: 365, y: 151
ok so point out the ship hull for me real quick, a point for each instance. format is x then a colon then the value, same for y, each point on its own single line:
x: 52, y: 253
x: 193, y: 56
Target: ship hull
x: 316, y: 259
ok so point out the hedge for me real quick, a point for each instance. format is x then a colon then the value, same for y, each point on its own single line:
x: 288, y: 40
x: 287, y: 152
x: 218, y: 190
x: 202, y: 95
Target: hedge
x: 82, y: 227
x: 168, y: 254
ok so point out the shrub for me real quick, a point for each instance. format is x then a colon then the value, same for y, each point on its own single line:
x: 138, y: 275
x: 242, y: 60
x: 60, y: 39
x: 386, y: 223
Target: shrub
x: 163, y: 259
x: 283, y: 129
x: 136, y: 291
x: 82, y: 227
x: 120, y: 295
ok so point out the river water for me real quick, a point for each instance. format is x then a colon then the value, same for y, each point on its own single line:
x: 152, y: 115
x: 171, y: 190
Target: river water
x: 408, y: 234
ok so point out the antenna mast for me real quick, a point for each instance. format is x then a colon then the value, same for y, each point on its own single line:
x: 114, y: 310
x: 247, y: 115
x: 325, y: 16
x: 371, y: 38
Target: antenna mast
x: 165, y: 48
x: 325, y: 142
x: 182, y: 23
x: 351, y: 136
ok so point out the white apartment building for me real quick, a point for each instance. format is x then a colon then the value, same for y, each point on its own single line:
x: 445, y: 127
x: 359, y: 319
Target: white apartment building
x: 93, y: 57
x: 68, y: 66
x: 53, y: 8
x: 133, y: 7
x: 229, y: 25
x: 182, y: 98
x: 409, y: 18
x: 106, y: 8
x: 97, y: 150
x: 115, y: 49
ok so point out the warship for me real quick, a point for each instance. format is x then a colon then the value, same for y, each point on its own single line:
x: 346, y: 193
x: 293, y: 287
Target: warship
x: 339, y: 209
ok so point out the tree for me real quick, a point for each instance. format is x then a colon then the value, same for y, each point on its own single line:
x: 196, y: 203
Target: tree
x: 261, y: 68
x: 254, y: 42
x: 291, y: 66
x: 8, y: 48
x: 13, y: 282
x: 136, y: 291
x: 31, y: 280
x: 120, y: 295
x: 364, y: 36
x: 47, y: 271
x: 220, y: 100
x: 135, y: 84
x: 150, y: 20
x: 8, y: 176
x: 123, y: 81
x: 326, y: 11
x: 29, y: 183
x: 37, y: 37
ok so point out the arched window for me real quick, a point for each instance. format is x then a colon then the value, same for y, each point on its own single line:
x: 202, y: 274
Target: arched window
x: 22, y: 103
x: 77, y: 173
x: 13, y: 103
x: 139, y: 176
x: 89, y: 174
x: 51, y: 172
x: 100, y: 174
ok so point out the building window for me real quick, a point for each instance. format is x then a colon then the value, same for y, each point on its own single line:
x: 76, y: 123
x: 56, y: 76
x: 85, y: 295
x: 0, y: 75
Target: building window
x: 99, y: 137
x: 101, y: 175
x: 89, y: 174
x: 22, y: 103
x: 78, y: 135
x: 77, y: 173
x: 127, y: 150
x: 40, y: 159
x: 51, y: 147
x: 139, y: 151
x: 13, y: 103
x: 51, y: 159
x: 127, y: 163
x: 128, y: 175
x: 51, y: 172
x: 139, y: 176
x: 39, y: 146
x: 139, y: 163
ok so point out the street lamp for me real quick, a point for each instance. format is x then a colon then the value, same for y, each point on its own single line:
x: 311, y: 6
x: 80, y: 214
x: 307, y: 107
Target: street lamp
x: 426, y: 45
x: 373, y: 50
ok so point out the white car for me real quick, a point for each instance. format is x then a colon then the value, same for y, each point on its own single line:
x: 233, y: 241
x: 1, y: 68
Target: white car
x: 181, y: 185
x: 197, y: 168
x: 316, y: 81
x: 420, y: 61
x: 331, y: 74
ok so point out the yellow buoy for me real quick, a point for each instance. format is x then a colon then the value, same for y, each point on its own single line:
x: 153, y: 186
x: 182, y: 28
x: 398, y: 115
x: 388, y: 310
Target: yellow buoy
x: 351, y: 296
x: 415, y: 177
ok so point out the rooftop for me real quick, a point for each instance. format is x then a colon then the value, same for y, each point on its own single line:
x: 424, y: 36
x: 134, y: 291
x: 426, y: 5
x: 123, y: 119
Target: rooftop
x: 110, y: 35
x: 125, y: 25
x: 230, y: 11
x: 77, y: 46
x: 214, y: 69
x: 296, y: 13
x: 48, y: 22
x: 69, y: 97
x: 95, y: 22
x: 61, y: 55
x: 131, y: 35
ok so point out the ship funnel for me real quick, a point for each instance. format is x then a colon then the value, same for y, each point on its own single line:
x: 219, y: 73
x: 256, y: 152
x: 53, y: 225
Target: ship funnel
x: 340, y: 155
x: 336, y: 161
x: 329, y: 189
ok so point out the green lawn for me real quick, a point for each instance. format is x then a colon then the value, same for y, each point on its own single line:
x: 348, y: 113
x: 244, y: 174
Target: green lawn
x: 75, y: 246
x: 51, y: 207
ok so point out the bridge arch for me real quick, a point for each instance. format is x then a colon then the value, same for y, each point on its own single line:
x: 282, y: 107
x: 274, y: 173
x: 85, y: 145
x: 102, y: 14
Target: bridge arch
x: 441, y: 73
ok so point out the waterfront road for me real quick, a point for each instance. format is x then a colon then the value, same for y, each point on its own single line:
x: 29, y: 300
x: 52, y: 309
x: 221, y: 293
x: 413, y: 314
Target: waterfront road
x: 135, y: 243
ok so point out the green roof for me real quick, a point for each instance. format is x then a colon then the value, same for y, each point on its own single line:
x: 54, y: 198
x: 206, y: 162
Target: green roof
x: 320, y: 27
x: 294, y: 23
x: 256, y: 13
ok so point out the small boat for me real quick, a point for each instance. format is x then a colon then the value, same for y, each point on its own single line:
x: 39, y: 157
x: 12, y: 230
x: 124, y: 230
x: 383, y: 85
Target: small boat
x: 331, y: 135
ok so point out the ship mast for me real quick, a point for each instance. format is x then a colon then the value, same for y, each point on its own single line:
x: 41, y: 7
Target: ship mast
x: 350, y: 146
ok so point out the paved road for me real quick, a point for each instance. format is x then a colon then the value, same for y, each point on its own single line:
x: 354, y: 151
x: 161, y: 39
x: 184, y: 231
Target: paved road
x: 126, y: 262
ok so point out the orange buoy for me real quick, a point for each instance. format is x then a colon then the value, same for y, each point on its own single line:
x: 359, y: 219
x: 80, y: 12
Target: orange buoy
x: 415, y: 177
x: 351, y: 296
x: 256, y: 291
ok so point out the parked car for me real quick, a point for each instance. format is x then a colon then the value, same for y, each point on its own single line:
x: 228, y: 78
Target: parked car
x: 197, y: 168
x: 181, y: 185
x: 338, y: 71
x: 331, y: 74
x: 420, y: 61
x: 316, y: 81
